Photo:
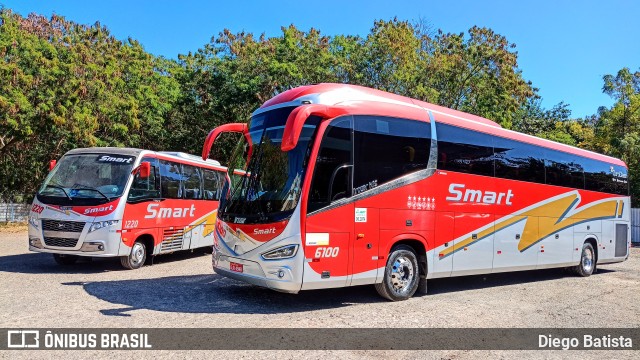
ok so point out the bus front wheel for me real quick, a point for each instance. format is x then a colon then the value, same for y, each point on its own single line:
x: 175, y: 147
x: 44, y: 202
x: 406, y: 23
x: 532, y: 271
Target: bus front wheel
x: 136, y: 258
x: 63, y: 259
x: 401, y: 274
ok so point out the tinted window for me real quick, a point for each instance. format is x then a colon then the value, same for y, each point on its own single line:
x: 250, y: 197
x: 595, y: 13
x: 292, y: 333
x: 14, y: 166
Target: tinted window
x: 388, y: 148
x: 331, y: 177
x: 149, y: 188
x: 601, y: 176
x: 518, y: 161
x: 212, y: 184
x: 563, y: 169
x: 620, y: 179
x: 464, y: 150
x: 171, y: 178
x: 191, y: 184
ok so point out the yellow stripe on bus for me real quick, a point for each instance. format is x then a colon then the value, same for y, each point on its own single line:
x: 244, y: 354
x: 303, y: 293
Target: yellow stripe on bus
x: 552, y: 217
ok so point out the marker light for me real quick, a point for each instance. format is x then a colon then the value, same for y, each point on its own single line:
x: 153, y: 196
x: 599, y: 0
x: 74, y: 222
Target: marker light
x: 101, y: 224
x: 284, y: 252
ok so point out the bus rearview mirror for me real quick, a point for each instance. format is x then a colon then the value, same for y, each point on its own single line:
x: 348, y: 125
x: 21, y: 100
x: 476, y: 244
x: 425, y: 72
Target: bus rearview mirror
x: 211, y: 138
x: 144, y: 170
x: 297, y: 118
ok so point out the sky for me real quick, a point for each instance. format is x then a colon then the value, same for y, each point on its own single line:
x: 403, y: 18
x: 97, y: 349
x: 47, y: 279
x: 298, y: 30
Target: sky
x: 564, y: 47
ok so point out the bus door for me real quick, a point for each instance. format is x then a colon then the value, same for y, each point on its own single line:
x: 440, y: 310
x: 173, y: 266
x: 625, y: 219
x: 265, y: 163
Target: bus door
x: 137, y: 219
x: 330, y: 213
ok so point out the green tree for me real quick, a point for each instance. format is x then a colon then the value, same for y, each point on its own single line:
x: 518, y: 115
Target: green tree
x: 618, y: 128
x: 65, y: 85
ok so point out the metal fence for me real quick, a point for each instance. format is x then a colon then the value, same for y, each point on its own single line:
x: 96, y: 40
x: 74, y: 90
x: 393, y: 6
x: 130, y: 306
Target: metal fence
x: 11, y: 212
x: 635, y: 225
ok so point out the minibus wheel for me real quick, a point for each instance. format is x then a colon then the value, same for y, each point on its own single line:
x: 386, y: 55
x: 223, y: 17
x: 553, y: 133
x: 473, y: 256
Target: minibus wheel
x: 401, y: 275
x: 587, y: 263
x: 136, y: 258
x: 63, y: 259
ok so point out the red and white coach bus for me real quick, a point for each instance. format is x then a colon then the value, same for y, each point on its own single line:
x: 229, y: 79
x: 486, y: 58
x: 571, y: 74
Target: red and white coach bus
x: 130, y: 203
x: 345, y: 185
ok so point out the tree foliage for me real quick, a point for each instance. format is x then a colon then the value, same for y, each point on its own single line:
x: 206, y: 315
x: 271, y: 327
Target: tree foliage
x: 65, y: 85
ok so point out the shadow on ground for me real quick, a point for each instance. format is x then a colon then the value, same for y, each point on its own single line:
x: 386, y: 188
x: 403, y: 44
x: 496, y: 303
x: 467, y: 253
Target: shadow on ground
x: 212, y: 293
x: 43, y: 263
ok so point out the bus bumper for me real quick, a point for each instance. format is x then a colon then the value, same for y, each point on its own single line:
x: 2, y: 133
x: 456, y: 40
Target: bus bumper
x: 277, y: 275
x: 104, y: 243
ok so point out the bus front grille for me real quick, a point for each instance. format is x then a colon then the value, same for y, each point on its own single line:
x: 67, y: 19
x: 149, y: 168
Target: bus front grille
x: 60, y: 242
x: 66, y: 226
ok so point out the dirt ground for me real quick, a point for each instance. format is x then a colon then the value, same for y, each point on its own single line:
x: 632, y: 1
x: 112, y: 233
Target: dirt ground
x: 181, y: 291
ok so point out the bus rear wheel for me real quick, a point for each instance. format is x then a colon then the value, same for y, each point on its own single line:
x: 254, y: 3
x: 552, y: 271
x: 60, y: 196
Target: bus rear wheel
x: 587, y: 265
x: 63, y: 259
x: 136, y: 258
x: 401, y: 274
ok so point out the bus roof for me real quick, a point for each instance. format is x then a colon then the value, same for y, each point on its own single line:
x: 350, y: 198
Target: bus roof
x: 359, y: 96
x: 136, y: 152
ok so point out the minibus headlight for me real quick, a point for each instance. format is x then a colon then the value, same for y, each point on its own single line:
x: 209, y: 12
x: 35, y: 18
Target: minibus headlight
x: 284, y: 252
x: 101, y: 224
x: 34, y: 221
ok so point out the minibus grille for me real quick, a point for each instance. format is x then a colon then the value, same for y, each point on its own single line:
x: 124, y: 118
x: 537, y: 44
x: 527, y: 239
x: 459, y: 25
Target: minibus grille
x: 60, y: 242
x: 172, y: 239
x: 66, y: 226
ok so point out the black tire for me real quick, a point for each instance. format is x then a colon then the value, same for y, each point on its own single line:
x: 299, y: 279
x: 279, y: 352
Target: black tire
x: 63, y: 259
x: 136, y: 258
x: 401, y: 275
x: 587, y: 265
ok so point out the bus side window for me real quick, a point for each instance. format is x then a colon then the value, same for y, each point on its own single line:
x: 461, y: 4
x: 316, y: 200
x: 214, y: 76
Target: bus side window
x: 464, y: 150
x: 146, y: 189
x: 519, y: 161
x: 332, y: 174
x: 191, y: 183
x: 211, y: 184
x: 171, y: 179
x: 387, y: 148
x: 563, y: 169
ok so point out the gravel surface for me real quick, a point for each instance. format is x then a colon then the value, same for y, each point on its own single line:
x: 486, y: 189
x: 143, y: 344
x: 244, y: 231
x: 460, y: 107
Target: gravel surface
x: 180, y: 290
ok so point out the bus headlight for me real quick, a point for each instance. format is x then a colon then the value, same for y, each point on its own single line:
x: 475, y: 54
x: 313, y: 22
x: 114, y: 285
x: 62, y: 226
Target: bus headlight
x: 102, y: 224
x: 284, y: 252
x: 34, y: 221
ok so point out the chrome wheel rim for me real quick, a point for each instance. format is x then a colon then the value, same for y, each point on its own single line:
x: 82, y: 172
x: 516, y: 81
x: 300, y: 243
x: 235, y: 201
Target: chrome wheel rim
x: 402, y: 273
x: 137, y: 254
x: 587, y: 260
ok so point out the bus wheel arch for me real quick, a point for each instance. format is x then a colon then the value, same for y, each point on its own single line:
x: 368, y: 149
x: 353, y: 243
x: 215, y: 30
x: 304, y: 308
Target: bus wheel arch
x: 141, y: 250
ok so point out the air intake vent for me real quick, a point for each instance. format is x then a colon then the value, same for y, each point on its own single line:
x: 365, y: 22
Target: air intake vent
x: 622, y: 231
x: 60, y: 242
x: 172, y: 239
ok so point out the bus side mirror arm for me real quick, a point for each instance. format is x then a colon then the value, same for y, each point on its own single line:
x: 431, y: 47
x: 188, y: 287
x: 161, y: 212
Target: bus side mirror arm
x: 297, y: 118
x: 211, y: 138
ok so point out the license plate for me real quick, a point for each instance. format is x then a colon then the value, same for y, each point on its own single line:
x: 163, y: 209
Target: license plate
x: 236, y: 267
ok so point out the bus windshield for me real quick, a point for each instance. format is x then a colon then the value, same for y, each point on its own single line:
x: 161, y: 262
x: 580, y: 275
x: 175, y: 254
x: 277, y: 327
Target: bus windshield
x: 266, y: 186
x: 86, y: 179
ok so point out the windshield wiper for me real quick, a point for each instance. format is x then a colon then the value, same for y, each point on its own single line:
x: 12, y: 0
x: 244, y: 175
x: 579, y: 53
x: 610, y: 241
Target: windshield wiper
x: 91, y: 189
x: 60, y: 188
